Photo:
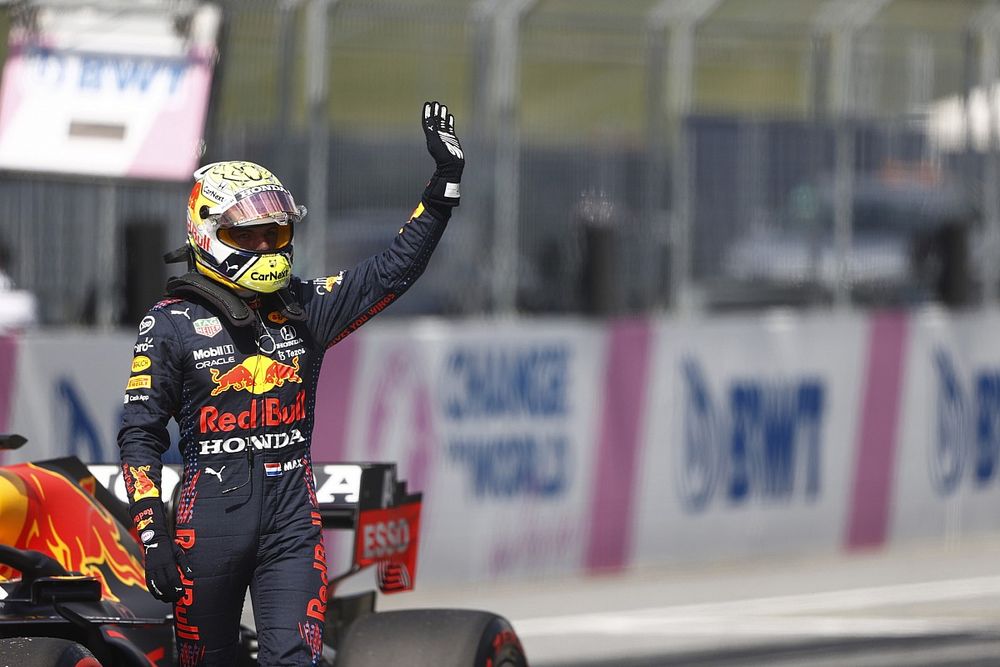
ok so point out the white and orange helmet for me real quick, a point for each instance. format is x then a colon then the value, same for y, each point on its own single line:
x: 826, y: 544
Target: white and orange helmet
x: 235, y: 194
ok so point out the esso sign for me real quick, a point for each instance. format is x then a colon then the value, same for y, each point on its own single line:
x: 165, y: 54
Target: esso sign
x: 382, y: 539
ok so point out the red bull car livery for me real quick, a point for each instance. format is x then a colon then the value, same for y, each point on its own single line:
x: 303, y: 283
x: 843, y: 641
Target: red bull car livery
x: 73, y: 591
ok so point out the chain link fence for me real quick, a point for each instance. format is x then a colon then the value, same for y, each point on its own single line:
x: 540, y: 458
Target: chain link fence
x: 623, y: 158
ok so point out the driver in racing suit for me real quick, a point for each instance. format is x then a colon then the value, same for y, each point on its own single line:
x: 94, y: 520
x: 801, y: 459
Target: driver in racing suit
x: 233, y: 353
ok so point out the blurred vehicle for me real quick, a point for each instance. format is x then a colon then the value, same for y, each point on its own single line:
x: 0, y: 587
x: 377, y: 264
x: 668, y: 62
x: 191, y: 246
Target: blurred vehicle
x: 18, y: 310
x: 909, y: 244
x: 73, y: 588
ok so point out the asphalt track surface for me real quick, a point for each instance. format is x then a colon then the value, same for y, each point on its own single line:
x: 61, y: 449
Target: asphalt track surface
x: 922, y: 605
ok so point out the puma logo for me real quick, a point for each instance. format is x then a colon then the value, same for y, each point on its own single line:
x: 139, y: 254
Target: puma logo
x: 451, y: 143
x: 181, y: 312
x: 211, y: 471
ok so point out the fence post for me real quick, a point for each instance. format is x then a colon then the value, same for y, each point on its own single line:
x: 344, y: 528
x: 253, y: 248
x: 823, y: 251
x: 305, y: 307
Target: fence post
x: 681, y: 20
x: 502, y: 102
x: 843, y: 20
x: 318, y: 156
x: 285, y: 36
x: 988, y: 55
x: 107, y: 279
x: 656, y: 224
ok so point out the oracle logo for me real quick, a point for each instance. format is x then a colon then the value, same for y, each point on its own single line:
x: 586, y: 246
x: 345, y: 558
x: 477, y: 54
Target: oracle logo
x: 385, y: 538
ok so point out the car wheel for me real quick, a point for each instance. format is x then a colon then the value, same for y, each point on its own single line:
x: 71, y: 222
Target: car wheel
x: 45, y: 652
x: 438, y: 637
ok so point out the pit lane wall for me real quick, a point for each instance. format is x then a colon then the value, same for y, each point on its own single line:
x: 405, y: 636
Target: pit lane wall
x: 555, y: 447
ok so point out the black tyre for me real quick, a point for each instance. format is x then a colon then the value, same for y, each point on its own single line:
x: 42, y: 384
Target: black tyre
x: 45, y: 652
x: 431, y: 638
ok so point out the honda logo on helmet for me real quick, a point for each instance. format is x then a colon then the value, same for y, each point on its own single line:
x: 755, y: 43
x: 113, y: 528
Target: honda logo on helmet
x: 261, y: 188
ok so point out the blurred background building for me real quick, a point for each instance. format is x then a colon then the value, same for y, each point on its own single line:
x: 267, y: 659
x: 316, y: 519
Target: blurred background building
x: 628, y: 157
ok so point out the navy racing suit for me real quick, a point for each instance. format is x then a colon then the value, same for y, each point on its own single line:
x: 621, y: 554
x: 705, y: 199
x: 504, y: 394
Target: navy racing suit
x: 243, y: 397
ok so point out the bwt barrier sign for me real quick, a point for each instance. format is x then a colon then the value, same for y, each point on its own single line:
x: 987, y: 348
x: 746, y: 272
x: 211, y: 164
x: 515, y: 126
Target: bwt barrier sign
x: 88, y: 92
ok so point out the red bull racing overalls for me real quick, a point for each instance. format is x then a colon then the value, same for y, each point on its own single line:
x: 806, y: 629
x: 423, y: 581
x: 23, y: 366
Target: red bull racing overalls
x: 243, y: 397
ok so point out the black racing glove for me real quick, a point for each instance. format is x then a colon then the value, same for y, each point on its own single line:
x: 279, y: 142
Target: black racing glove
x: 442, y: 143
x: 165, y: 560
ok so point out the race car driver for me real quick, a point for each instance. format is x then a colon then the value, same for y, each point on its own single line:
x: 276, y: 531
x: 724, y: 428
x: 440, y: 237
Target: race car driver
x: 233, y: 353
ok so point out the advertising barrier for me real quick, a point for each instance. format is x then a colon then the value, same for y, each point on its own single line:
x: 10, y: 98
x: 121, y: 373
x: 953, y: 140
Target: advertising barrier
x: 66, y: 395
x: 948, y: 483
x: 747, y: 437
x: 499, y: 422
x: 119, y: 93
x: 560, y: 447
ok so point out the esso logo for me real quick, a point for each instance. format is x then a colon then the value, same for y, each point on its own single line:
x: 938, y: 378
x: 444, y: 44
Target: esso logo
x: 386, y: 538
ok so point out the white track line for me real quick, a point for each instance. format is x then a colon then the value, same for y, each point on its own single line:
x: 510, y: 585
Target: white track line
x: 777, y: 615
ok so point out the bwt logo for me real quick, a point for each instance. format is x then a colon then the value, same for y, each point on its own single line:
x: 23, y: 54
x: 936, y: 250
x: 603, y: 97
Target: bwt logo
x: 967, y: 442
x: 765, y: 441
x: 136, y: 74
x: 386, y: 538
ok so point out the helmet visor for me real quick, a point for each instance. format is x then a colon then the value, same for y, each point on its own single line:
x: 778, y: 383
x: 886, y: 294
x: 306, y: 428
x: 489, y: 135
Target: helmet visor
x: 271, y: 205
x: 246, y: 237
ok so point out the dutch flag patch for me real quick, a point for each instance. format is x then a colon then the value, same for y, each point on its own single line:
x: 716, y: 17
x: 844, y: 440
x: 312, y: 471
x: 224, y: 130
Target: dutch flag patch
x: 272, y: 469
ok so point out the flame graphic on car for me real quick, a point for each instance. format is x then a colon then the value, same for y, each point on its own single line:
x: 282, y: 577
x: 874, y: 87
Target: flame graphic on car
x: 44, y: 511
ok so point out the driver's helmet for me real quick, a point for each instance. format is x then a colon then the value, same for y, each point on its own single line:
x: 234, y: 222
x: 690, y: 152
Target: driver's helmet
x: 234, y: 194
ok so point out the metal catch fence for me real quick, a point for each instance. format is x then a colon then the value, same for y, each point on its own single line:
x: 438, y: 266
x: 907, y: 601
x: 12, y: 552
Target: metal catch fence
x: 623, y: 157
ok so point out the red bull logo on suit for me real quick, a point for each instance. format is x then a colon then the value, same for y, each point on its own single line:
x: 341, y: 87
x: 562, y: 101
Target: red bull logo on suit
x: 261, y: 412
x: 256, y: 374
